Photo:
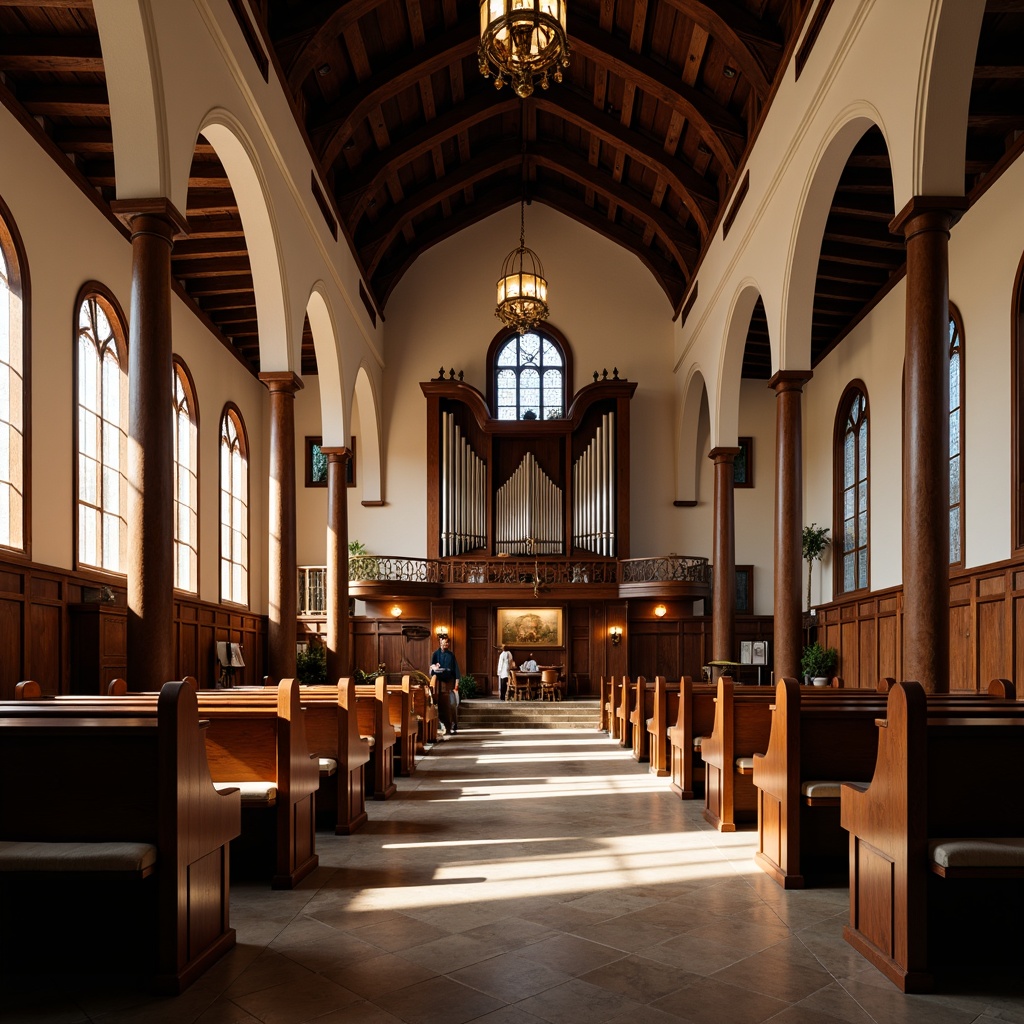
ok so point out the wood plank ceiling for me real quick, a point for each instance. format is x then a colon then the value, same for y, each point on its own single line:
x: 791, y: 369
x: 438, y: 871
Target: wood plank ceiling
x: 642, y: 142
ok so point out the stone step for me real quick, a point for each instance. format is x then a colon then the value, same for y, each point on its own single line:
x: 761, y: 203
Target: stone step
x: 493, y: 714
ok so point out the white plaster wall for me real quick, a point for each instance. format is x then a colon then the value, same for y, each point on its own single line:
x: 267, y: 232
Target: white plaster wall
x: 755, y: 506
x: 68, y: 242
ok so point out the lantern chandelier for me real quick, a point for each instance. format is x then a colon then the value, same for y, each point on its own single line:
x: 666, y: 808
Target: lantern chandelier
x: 522, y: 287
x: 522, y: 40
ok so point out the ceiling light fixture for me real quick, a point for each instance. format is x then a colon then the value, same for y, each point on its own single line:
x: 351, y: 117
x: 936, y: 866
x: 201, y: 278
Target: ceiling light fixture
x: 522, y: 287
x: 522, y: 40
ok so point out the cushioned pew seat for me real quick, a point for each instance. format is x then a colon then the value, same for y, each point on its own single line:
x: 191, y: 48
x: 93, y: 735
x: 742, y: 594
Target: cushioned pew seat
x: 123, y: 858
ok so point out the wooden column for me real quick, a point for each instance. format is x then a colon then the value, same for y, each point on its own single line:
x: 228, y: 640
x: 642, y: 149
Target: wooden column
x: 153, y: 223
x: 925, y: 224
x: 337, y: 564
x: 788, y: 387
x: 723, y: 603
x: 282, y: 567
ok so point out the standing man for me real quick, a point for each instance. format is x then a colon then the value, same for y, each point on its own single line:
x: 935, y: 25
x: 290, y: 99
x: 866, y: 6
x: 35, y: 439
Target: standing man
x: 504, y: 665
x: 444, y: 673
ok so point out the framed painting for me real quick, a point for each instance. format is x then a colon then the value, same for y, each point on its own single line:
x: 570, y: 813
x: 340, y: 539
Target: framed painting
x: 316, y: 463
x: 743, y: 465
x: 530, y: 627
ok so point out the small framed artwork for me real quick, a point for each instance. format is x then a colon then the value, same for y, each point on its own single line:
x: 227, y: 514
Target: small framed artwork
x: 316, y: 463
x: 743, y: 464
x: 759, y: 652
x: 530, y: 627
x: 744, y: 589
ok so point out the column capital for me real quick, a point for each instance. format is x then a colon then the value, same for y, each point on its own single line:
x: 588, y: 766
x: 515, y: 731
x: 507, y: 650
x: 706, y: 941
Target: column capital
x: 790, y: 380
x: 130, y: 211
x: 942, y: 212
x: 336, y: 454
x: 282, y: 381
x: 724, y: 454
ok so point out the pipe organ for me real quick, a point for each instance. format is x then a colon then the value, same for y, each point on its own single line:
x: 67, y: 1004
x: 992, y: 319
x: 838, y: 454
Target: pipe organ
x: 593, y: 488
x: 528, y: 487
x: 463, y: 492
x: 528, y: 512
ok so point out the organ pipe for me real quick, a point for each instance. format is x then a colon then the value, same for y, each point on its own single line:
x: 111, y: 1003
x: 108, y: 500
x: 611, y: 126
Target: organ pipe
x: 529, y: 507
x: 463, y: 492
x: 593, y: 475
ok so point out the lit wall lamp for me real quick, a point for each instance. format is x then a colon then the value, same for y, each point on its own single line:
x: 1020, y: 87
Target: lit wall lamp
x: 396, y: 612
x: 660, y: 610
x: 440, y: 631
x: 615, y: 632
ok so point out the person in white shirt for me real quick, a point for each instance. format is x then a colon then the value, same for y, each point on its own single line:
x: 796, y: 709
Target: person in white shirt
x: 504, y: 665
x: 529, y: 665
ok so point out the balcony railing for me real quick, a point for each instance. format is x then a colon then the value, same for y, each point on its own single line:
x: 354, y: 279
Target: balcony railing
x: 546, y: 572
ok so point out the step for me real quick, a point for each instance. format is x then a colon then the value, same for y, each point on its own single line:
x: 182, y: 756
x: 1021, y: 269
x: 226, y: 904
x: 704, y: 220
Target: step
x: 493, y: 714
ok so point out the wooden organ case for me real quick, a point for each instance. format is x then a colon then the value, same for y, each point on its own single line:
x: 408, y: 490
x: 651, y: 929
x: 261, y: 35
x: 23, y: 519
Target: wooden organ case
x: 557, y: 487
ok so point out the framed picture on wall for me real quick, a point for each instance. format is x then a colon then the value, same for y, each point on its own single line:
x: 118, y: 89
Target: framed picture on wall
x: 530, y: 627
x: 744, y: 589
x: 316, y: 463
x: 743, y: 465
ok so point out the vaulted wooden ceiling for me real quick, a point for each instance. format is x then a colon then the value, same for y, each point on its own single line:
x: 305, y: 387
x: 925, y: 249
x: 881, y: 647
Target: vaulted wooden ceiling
x: 643, y: 141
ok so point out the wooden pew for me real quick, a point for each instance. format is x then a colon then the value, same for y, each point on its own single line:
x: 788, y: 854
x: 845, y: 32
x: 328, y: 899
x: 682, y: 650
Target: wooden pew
x: 374, y: 719
x: 937, y: 778
x: 604, y: 705
x: 333, y: 731
x: 261, y: 745
x: 424, y: 712
x: 400, y: 714
x: 643, y: 706
x: 624, y: 710
x: 117, y: 811
x: 664, y: 709
x: 694, y: 720
x: 611, y: 708
x: 742, y: 727
x: 819, y: 740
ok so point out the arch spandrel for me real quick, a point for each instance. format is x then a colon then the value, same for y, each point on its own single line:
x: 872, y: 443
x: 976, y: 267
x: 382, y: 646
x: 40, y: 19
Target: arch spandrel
x: 724, y: 398
x: 333, y: 412
x: 688, y: 437
x: 370, y: 477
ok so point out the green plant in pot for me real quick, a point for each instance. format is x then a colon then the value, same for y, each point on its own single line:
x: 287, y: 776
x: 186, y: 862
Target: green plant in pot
x: 361, y: 565
x: 819, y: 663
x: 467, y: 687
x: 311, y: 664
x: 815, y: 542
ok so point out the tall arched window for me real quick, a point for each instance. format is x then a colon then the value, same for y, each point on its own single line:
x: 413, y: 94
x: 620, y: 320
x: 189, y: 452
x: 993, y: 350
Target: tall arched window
x: 956, y: 439
x: 102, y: 436
x: 234, y: 508
x: 851, y: 475
x: 186, y: 480
x: 529, y: 377
x: 13, y: 392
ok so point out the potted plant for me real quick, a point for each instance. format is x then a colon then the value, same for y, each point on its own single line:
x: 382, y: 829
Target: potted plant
x: 467, y: 687
x: 311, y: 663
x: 819, y: 663
x: 361, y: 565
x: 815, y: 542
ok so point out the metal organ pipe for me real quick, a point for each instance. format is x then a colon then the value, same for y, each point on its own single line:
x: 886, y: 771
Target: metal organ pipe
x: 593, y: 521
x: 529, y: 506
x: 463, y: 492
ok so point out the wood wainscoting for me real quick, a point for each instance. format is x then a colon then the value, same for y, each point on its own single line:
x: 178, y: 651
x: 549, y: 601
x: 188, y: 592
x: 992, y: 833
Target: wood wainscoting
x: 986, y: 629
x: 43, y: 629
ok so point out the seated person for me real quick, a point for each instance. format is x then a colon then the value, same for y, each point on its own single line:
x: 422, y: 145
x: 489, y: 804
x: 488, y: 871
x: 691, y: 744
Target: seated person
x: 529, y: 665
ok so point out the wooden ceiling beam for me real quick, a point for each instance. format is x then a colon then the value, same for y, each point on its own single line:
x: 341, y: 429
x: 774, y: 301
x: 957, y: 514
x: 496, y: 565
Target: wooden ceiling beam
x: 213, y: 266
x: 721, y: 130
x: 64, y: 101
x: 41, y: 54
x: 342, y: 118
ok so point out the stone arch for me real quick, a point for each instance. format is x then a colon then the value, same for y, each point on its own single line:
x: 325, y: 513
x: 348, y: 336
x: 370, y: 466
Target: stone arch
x: 688, y: 437
x: 794, y: 345
x: 724, y: 405
x: 370, y: 476
x: 948, y: 55
x: 280, y: 348
x: 328, y: 361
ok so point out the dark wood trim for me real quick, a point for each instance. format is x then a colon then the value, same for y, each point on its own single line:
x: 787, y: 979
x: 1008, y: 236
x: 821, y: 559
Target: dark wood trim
x: 739, y: 194
x: 230, y: 409
x: 811, y: 37
x: 685, y: 504
x: 19, y: 283
x: 251, y: 38
x: 321, y: 202
x: 838, y: 434
x: 119, y: 324
x: 373, y: 504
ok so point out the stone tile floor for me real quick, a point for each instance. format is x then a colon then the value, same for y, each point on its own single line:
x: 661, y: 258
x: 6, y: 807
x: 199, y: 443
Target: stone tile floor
x: 523, y: 877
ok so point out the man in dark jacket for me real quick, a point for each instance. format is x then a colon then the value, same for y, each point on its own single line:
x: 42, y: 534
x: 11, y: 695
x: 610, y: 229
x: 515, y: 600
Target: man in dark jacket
x: 444, y: 674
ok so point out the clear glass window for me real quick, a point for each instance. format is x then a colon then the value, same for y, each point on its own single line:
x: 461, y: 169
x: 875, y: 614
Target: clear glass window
x: 234, y: 510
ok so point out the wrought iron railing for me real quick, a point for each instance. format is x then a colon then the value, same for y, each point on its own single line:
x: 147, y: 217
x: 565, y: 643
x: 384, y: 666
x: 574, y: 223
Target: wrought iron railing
x: 539, y: 572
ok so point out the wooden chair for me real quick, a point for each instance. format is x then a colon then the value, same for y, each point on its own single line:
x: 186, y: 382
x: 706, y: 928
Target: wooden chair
x: 518, y: 689
x: 549, y: 684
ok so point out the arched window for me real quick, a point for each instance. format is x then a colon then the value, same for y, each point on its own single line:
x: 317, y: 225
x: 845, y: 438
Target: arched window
x: 186, y: 480
x: 529, y: 377
x: 13, y: 392
x: 851, y: 483
x: 234, y: 508
x: 956, y: 440
x: 102, y: 436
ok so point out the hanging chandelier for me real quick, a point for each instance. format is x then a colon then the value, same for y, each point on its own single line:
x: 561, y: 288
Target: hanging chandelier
x: 522, y: 287
x: 523, y: 40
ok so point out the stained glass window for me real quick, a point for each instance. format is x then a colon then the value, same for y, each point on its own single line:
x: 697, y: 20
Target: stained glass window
x: 853, y: 488
x: 956, y: 421
x: 529, y: 378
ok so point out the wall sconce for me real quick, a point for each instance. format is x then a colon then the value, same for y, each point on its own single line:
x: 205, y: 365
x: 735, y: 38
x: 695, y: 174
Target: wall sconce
x: 440, y: 631
x: 615, y: 632
x: 660, y: 611
x: 396, y: 612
